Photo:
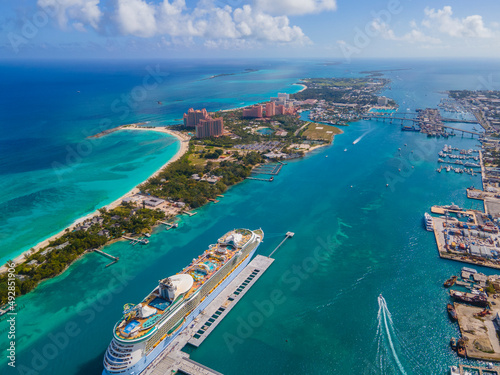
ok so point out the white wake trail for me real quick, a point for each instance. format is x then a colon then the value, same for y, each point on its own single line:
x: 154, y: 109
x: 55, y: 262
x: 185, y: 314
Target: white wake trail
x: 384, y: 315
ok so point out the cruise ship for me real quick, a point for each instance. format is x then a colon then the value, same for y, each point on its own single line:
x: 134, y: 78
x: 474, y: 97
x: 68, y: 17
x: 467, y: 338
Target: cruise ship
x: 428, y: 222
x: 146, y: 329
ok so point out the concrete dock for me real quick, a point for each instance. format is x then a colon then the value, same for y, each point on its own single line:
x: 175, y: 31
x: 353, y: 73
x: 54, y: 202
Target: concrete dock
x: 481, y: 370
x: 173, y: 360
x: 229, y: 297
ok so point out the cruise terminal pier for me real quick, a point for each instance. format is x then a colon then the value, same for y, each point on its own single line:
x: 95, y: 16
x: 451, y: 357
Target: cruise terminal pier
x: 173, y: 360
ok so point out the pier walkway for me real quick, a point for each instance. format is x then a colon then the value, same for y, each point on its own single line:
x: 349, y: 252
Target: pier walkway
x: 173, y: 359
x: 482, y: 370
x: 115, y: 259
x: 224, y: 302
x: 287, y: 236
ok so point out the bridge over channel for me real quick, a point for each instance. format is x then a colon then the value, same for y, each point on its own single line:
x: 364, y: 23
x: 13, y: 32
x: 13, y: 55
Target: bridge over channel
x: 399, y: 116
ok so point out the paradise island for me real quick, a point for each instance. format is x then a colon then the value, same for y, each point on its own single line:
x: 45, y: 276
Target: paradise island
x: 217, y: 151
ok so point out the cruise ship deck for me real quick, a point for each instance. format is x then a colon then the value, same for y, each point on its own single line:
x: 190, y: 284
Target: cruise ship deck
x: 140, y: 320
x: 173, y: 359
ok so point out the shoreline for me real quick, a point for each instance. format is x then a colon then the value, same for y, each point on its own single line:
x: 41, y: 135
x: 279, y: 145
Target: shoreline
x: 184, y: 146
x: 304, y: 87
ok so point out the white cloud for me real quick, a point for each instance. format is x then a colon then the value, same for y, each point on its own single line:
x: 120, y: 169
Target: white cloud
x: 443, y: 21
x: 264, y: 27
x: 83, y: 11
x: 144, y: 18
x: 417, y: 36
x: 295, y: 7
x: 136, y: 17
x: 414, y: 36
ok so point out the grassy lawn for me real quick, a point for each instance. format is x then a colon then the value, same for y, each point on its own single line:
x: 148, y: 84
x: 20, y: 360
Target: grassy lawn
x: 321, y: 132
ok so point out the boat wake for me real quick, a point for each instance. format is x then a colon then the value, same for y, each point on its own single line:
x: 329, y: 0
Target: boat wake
x: 388, y: 343
x: 363, y: 135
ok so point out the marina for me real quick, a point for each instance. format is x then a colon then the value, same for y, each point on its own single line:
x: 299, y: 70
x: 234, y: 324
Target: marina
x: 135, y: 241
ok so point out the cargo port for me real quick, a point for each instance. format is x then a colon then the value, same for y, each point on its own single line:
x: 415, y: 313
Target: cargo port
x: 475, y: 305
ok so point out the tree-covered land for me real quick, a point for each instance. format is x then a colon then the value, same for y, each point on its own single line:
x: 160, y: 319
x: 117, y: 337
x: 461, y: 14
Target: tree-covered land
x: 176, y: 182
x: 91, y: 234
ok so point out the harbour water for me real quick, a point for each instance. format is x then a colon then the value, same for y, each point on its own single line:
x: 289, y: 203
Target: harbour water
x: 355, y: 238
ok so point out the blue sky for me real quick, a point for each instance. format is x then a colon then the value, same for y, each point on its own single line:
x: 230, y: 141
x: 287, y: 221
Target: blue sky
x: 333, y: 29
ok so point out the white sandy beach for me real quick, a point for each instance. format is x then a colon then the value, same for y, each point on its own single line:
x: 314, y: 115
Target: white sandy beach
x: 184, y: 146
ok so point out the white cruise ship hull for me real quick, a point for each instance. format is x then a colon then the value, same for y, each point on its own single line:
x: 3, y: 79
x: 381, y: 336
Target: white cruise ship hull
x: 145, y: 361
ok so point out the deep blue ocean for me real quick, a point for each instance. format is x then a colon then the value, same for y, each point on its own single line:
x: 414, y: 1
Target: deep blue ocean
x: 370, y: 236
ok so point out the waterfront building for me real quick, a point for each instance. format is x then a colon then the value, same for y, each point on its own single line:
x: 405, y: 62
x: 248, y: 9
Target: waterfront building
x: 192, y: 117
x: 280, y: 109
x: 210, y: 127
x: 284, y: 97
x: 253, y: 111
x: 382, y: 100
x: 270, y: 109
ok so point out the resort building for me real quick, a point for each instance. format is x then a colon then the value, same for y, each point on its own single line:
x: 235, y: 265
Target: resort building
x: 192, y: 117
x: 203, y: 122
x: 210, y: 127
x: 270, y: 109
x: 253, y: 111
x: 153, y: 201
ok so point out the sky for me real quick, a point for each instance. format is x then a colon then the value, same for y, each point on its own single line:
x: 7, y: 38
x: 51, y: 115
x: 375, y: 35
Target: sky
x: 328, y: 29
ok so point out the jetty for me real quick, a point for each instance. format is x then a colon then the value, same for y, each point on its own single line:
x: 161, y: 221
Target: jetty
x: 169, y: 225
x: 287, y: 236
x: 115, y: 259
x: 269, y: 169
x: 261, y: 179
x: 135, y: 241
x: 190, y: 213
x: 173, y: 359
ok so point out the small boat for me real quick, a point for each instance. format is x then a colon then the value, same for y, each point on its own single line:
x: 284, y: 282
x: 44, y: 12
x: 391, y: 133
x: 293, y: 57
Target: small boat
x: 345, y: 149
x: 454, y: 370
x: 461, y: 351
x: 451, y: 281
x: 451, y: 312
x: 475, y: 300
x: 453, y: 343
x: 428, y: 222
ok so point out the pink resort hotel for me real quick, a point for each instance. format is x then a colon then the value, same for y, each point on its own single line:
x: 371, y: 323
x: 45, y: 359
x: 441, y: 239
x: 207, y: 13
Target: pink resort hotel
x: 204, y: 123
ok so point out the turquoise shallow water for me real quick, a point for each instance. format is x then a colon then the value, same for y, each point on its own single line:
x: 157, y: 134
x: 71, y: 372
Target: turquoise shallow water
x: 43, y: 202
x: 355, y: 238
